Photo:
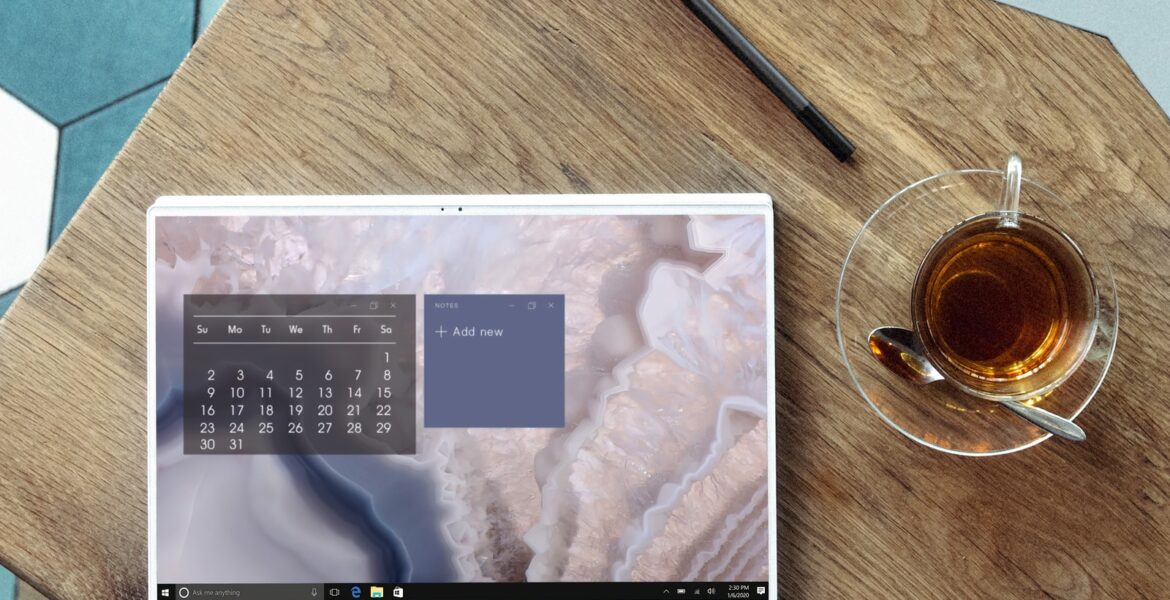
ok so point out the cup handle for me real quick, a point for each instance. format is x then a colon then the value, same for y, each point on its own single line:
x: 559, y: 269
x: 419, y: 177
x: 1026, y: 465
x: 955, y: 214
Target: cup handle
x: 1009, y: 200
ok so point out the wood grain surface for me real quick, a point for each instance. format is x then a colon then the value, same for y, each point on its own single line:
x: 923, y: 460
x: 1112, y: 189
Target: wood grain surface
x: 24, y: 591
x: 430, y: 96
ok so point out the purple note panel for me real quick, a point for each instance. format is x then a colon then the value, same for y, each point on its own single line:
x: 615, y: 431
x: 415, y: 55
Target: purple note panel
x: 494, y: 360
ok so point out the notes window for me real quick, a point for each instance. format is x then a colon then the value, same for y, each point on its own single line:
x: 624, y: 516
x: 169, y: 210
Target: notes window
x: 494, y: 360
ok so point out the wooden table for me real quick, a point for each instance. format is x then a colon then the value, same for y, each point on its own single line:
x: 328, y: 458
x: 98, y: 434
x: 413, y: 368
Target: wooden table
x: 351, y: 96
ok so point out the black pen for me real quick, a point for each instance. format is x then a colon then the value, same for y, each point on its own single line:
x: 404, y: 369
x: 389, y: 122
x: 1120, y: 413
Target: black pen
x: 808, y: 114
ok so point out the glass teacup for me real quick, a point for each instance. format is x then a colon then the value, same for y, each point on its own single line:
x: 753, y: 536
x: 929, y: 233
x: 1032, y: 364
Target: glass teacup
x: 926, y: 244
x: 1004, y: 304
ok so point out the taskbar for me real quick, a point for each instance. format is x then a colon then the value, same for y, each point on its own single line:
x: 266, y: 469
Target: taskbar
x: 690, y: 590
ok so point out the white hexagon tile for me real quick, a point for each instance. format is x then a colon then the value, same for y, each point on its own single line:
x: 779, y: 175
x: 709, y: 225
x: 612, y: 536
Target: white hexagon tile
x: 28, y: 161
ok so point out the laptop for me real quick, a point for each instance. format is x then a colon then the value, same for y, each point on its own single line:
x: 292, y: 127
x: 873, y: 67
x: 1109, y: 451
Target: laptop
x: 430, y: 397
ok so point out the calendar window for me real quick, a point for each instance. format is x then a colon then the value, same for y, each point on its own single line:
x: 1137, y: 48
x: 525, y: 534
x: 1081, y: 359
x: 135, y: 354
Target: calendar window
x: 292, y: 374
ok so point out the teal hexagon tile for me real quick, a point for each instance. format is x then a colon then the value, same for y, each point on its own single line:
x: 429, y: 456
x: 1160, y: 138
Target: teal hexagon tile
x: 7, y: 584
x: 207, y: 10
x: 67, y: 58
x: 5, y: 301
x: 87, y: 148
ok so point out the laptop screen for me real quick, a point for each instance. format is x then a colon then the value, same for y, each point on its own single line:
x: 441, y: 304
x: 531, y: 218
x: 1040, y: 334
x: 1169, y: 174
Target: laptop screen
x: 481, y: 403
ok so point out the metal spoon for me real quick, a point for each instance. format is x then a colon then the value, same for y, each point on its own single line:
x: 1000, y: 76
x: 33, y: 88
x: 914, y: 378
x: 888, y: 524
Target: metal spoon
x: 898, y: 350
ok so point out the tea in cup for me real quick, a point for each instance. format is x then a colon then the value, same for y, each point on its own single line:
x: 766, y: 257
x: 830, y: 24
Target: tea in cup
x: 1004, y: 311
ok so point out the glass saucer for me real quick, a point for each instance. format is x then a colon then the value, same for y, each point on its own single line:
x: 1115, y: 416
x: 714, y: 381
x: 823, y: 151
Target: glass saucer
x: 874, y: 290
